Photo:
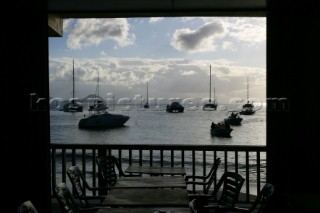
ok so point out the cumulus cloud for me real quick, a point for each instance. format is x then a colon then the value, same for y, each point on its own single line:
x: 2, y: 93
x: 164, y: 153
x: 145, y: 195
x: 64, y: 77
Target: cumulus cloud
x: 199, y: 40
x: 155, y: 19
x: 89, y: 32
x: 252, y: 31
x: 166, y: 77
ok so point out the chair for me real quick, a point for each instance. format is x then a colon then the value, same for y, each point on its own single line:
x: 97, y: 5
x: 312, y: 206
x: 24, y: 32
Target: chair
x: 80, y: 184
x: 193, y: 206
x: 67, y: 201
x: 260, y: 202
x: 232, y: 183
x: 27, y: 207
x: 207, y: 180
x: 106, y: 166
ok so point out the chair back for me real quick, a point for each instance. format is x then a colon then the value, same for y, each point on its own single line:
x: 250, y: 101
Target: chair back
x: 27, y: 207
x: 65, y: 199
x: 194, y: 206
x: 263, y: 198
x: 232, y: 183
x: 212, y: 175
x: 107, y: 168
x: 79, y: 184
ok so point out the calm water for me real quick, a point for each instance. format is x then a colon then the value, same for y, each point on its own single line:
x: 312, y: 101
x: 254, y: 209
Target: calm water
x: 151, y: 126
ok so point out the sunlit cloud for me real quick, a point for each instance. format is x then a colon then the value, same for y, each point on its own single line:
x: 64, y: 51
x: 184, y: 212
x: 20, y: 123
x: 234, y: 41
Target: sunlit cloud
x: 155, y: 19
x: 92, y: 32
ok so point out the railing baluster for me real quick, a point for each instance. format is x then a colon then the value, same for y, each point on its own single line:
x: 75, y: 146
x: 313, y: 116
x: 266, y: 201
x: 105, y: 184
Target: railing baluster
x: 247, y: 177
x: 258, y: 172
x: 64, y: 178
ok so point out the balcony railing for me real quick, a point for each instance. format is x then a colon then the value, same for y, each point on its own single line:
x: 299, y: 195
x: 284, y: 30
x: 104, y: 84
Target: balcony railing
x: 249, y: 161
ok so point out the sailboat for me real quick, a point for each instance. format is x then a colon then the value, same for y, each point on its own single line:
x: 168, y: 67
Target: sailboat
x: 210, y: 105
x: 248, y: 107
x: 99, y: 117
x: 98, y: 104
x: 146, y: 105
x: 72, y: 106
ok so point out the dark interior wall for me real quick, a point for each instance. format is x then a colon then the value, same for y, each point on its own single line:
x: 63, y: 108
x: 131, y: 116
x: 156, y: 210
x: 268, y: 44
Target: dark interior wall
x: 292, y: 63
x: 25, y: 134
x: 292, y: 135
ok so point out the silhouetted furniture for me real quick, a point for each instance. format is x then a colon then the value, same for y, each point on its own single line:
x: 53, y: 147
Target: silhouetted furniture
x: 231, y: 182
x: 67, y: 202
x: 80, y: 185
x: 258, y: 206
x: 156, y: 170
x: 193, y: 206
x: 107, y: 169
x: 146, y: 197
x: 145, y: 210
x: 260, y: 202
x: 27, y: 207
x: 107, y: 164
x: 206, y: 180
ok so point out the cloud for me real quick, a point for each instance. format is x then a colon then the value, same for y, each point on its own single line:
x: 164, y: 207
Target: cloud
x: 90, y: 32
x: 155, y: 19
x: 252, y: 31
x: 167, y: 77
x: 200, y: 40
x: 227, y: 45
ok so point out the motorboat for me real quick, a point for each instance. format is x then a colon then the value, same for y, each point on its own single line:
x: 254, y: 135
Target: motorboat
x: 99, y: 117
x: 103, y: 120
x: 175, y: 106
x: 221, y: 129
x: 233, y: 118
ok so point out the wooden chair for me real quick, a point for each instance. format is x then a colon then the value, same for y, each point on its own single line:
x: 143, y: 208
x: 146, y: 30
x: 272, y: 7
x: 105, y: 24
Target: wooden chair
x: 107, y: 168
x: 67, y: 201
x: 206, y: 180
x: 27, y: 207
x: 232, y: 183
x: 193, y: 206
x: 260, y: 202
x: 80, y: 185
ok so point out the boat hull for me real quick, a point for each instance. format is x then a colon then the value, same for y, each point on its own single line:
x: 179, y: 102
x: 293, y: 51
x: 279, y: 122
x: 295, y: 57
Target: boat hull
x: 221, y: 132
x: 209, y: 107
x: 104, y: 120
x: 233, y: 121
x: 174, y: 107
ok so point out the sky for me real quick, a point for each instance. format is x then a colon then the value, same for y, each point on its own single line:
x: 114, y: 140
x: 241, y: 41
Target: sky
x: 172, y: 54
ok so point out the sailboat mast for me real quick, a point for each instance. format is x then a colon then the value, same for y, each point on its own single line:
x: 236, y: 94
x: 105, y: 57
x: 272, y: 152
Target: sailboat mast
x: 247, y: 88
x: 210, y: 86
x: 147, y: 94
x: 73, y: 80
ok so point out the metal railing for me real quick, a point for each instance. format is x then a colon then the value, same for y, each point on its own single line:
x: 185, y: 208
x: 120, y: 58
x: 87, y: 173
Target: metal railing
x: 249, y: 161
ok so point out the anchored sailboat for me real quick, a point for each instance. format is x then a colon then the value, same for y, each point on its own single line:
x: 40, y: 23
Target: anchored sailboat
x: 248, y: 107
x: 211, y: 105
x: 146, y: 105
x: 98, y: 104
x: 72, y: 106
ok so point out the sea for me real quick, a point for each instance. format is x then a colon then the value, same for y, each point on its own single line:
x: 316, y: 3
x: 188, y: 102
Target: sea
x: 156, y: 126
